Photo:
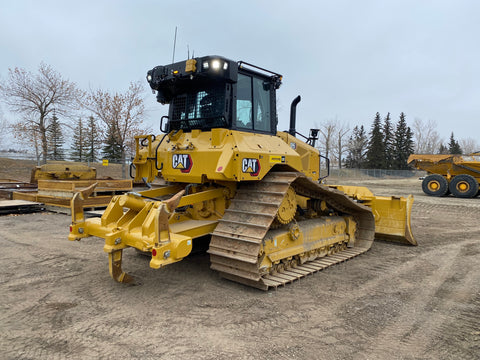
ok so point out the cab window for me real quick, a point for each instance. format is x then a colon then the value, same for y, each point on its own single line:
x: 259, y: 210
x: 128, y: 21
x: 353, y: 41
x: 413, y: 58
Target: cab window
x: 261, y: 104
x: 253, y: 104
x: 244, y: 102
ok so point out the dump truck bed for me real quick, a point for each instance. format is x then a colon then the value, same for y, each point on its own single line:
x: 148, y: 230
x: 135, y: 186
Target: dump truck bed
x: 447, y: 165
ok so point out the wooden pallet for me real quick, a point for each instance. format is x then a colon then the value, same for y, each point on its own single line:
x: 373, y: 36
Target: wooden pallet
x: 19, y: 207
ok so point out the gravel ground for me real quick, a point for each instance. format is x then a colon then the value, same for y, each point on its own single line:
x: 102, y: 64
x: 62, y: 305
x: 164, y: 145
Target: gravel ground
x: 395, y: 301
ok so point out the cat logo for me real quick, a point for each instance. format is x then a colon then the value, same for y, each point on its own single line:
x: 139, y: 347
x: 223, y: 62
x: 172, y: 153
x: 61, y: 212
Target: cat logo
x: 183, y: 162
x: 251, y: 166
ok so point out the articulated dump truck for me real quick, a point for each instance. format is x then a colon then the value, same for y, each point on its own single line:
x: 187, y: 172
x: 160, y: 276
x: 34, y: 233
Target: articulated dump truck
x: 226, y: 173
x: 458, y: 175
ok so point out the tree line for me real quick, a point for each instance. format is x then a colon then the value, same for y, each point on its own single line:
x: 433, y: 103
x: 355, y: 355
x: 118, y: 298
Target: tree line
x: 102, y: 124
x: 387, y: 145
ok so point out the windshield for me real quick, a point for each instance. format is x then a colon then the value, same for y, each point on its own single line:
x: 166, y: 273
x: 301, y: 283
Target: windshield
x: 199, y: 109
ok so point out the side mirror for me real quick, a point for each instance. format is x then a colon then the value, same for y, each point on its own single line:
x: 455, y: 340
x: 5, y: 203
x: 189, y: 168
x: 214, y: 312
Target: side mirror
x: 164, y: 126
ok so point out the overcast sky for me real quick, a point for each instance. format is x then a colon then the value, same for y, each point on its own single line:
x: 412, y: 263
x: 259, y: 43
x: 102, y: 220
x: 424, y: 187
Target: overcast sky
x: 347, y: 59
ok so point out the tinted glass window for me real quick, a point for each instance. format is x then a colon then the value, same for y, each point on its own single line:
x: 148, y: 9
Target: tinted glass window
x: 253, y: 104
x: 261, y: 97
x: 244, y: 102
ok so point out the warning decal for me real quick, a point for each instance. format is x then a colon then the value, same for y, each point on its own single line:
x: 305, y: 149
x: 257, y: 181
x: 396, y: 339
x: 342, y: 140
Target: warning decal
x: 277, y: 159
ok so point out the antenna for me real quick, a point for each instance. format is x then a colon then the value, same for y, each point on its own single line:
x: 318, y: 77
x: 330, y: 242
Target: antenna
x: 188, y: 52
x: 174, y: 44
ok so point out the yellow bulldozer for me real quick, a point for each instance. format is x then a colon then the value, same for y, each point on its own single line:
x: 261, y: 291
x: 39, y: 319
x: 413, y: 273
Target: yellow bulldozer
x: 222, y: 170
x: 458, y: 175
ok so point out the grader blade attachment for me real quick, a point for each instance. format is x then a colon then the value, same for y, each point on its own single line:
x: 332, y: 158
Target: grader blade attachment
x: 392, y: 213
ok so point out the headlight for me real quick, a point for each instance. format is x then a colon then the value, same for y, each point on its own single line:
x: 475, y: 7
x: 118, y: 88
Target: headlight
x: 149, y: 78
x: 215, y: 64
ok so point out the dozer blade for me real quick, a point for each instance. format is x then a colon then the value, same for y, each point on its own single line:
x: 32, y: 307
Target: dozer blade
x: 393, y: 218
x: 392, y: 214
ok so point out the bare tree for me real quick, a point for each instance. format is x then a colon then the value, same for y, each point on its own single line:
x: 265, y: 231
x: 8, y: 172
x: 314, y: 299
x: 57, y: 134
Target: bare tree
x: 469, y: 145
x: 3, y: 128
x: 357, y: 148
x: 36, y: 96
x: 25, y: 131
x: 327, y: 138
x: 426, y: 138
x: 120, y: 113
x: 341, y: 147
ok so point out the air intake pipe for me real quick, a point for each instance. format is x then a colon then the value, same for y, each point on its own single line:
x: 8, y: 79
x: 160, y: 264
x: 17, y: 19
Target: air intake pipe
x: 293, y: 115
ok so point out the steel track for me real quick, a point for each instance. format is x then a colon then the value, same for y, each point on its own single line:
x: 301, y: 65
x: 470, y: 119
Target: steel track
x: 236, y: 241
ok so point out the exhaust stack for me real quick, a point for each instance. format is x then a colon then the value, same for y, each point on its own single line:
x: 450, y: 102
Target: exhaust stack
x: 293, y: 115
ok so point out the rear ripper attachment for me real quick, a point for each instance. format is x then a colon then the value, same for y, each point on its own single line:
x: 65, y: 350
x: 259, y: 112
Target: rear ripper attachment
x: 148, y: 223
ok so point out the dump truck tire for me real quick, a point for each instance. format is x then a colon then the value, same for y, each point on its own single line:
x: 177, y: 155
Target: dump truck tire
x: 435, y: 185
x: 464, y: 186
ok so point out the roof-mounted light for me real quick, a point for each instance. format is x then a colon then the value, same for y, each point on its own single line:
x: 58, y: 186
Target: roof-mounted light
x: 216, y: 64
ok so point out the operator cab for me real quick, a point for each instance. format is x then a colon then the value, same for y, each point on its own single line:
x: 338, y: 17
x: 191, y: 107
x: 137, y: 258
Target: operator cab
x: 214, y: 92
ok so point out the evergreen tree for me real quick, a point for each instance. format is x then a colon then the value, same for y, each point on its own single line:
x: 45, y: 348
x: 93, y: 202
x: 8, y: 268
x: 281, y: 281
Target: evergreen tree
x: 357, y: 147
x: 92, y: 140
x: 79, y: 141
x: 409, y: 144
x: 403, y: 144
x: 388, y: 141
x: 112, y: 149
x: 55, y: 140
x: 442, y: 149
x: 376, y: 147
x: 454, y: 146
